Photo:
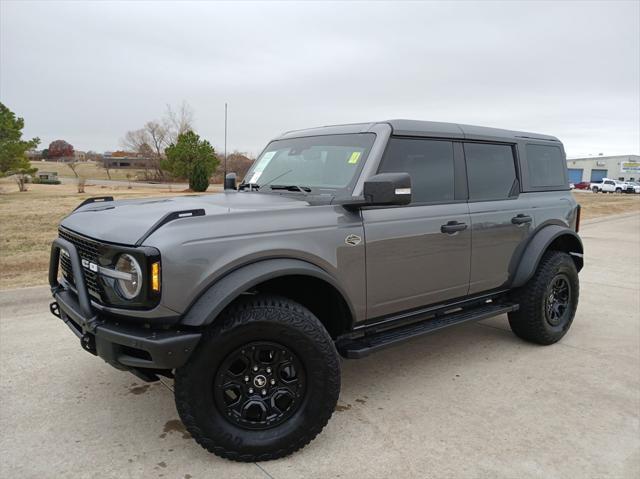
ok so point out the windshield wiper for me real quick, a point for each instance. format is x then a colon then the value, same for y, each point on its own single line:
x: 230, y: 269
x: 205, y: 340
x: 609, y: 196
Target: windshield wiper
x: 291, y: 188
x: 251, y: 186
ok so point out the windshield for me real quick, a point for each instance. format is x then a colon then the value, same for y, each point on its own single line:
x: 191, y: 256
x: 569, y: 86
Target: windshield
x: 328, y: 162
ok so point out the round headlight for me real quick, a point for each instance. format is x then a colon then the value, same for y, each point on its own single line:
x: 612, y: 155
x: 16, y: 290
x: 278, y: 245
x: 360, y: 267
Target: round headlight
x: 129, y: 287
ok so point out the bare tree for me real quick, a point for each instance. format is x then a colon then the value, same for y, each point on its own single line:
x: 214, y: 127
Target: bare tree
x: 151, y: 140
x: 21, y: 181
x: 73, y: 164
x: 106, y: 166
x: 178, y: 122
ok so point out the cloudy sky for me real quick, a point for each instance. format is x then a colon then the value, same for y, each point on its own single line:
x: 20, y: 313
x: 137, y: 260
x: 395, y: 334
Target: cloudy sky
x: 88, y: 72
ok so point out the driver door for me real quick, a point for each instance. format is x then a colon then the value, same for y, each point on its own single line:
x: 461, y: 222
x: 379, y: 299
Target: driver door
x: 419, y: 254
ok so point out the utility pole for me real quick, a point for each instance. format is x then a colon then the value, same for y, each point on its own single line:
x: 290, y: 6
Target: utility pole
x: 225, y: 140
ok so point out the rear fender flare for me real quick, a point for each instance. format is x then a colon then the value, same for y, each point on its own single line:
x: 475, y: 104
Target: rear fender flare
x: 539, y: 245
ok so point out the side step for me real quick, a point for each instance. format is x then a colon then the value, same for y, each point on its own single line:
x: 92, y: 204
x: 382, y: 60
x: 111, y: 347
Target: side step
x: 355, y: 348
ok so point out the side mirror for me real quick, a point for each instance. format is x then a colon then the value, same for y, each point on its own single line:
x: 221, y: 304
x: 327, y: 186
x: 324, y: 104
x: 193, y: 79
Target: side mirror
x: 230, y: 181
x: 388, y: 189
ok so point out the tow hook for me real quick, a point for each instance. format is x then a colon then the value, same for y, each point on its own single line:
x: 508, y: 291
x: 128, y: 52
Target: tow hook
x: 55, y: 309
x: 88, y: 342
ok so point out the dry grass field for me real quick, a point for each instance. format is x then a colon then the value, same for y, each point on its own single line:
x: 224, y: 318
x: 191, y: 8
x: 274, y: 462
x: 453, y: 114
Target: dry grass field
x: 88, y: 170
x: 605, y: 204
x: 28, y: 222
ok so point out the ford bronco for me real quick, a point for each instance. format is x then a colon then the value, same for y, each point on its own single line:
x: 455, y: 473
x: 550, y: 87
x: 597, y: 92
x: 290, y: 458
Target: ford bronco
x: 340, y: 241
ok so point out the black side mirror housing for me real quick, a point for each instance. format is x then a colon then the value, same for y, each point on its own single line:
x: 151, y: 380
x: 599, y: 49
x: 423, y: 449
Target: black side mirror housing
x: 384, y: 189
x: 230, y: 181
x: 388, y: 189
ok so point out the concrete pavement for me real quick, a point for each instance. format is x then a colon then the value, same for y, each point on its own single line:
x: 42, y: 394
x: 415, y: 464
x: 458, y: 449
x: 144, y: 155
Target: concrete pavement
x: 472, y: 401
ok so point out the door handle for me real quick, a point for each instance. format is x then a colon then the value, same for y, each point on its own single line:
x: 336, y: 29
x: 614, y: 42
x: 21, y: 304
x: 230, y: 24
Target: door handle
x: 521, y: 219
x: 453, y: 227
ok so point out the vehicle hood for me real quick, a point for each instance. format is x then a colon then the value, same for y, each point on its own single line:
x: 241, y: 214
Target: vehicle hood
x: 127, y: 221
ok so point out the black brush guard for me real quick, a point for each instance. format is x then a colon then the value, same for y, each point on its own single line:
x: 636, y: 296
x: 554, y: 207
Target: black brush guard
x: 137, y: 349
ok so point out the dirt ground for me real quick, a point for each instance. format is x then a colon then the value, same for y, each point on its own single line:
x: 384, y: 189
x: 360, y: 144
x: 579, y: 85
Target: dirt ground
x: 28, y: 221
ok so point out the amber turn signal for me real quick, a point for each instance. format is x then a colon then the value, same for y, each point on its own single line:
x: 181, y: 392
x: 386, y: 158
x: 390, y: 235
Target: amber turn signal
x: 155, y: 277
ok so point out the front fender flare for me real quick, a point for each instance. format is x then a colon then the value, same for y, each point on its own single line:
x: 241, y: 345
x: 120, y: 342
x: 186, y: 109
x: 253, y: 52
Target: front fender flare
x: 537, y: 247
x: 226, y: 289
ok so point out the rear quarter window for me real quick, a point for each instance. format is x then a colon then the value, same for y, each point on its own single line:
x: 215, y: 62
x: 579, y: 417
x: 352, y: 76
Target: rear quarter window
x: 546, y: 166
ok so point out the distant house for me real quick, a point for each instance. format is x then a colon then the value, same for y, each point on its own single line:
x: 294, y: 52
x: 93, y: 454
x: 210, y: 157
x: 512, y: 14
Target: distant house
x: 79, y: 155
x: 47, y: 177
x: 34, y: 155
x: 120, y: 160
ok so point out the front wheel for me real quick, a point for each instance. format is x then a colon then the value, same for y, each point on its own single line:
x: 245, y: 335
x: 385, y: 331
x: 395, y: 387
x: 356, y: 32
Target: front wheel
x: 594, y: 189
x: 262, y: 383
x: 548, y: 301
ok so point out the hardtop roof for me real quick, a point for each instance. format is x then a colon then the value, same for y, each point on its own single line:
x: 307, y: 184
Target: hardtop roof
x: 433, y: 129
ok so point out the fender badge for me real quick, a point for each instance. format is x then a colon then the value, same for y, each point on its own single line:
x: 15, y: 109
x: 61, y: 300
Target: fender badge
x: 353, y: 240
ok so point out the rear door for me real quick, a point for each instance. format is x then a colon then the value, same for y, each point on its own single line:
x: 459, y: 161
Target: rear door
x: 419, y: 254
x: 500, y: 217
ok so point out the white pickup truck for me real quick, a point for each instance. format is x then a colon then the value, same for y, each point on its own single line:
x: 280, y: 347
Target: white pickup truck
x: 608, y: 185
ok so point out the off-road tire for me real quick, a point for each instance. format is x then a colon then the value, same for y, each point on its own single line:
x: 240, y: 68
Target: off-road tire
x: 259, y: 318
x: 530, y: 321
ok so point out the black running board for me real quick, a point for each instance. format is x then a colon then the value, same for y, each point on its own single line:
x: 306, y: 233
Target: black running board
x: 355, y: 348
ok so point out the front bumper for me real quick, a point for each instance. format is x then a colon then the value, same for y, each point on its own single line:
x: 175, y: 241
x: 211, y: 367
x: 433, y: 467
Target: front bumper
x: 134, y: 348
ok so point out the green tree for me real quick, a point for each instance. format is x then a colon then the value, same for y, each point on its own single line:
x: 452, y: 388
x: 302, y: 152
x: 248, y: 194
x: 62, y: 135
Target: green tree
x: 192, y: 158
x: 13, y: 160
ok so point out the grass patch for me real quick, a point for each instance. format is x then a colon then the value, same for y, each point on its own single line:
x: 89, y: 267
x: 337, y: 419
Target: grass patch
x: 597, y: 205
x: 29, y: 223
x: 88, y: 170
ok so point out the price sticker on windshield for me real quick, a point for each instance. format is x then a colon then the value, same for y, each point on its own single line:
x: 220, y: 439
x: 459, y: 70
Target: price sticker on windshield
x: 261, y: 165
x: 354, y: 158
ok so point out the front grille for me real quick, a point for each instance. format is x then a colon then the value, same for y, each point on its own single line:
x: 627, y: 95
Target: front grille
x: 87, y: 249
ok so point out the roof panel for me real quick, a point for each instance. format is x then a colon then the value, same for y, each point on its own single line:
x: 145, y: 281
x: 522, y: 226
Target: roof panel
x: 433, y: 129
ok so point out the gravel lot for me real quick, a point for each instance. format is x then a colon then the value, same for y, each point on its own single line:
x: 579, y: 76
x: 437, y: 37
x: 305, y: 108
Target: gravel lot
x: 473, y: 401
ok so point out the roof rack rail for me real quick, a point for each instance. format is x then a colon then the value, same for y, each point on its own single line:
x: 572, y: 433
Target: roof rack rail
x: 526, y: 137
x: 94, y: 199
x: 174, y: 215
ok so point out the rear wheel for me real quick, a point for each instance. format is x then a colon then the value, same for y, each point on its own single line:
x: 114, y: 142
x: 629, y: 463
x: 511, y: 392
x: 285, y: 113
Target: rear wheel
x: 595, y: 189
x: 263, y: 382
x: 548, y: 301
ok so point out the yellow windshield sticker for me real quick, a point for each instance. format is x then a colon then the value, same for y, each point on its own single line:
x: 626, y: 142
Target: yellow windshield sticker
x: 353, y: 159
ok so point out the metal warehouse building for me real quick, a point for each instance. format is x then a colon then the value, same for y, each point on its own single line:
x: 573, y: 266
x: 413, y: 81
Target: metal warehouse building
x: 621, y: 167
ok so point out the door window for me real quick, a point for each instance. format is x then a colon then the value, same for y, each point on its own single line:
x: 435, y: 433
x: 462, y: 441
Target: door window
x: 428, y: 162
x: 491, y: 171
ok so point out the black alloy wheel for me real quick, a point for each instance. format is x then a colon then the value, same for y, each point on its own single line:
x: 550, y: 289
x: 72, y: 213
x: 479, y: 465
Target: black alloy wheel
x: 259, y: 385
x: 558, y: 300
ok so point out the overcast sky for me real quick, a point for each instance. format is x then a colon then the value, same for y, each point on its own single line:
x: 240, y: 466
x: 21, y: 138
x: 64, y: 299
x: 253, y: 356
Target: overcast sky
x: 88, y: 72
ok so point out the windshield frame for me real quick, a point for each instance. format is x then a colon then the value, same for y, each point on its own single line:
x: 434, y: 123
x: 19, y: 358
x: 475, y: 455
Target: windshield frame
x: 342, y: 191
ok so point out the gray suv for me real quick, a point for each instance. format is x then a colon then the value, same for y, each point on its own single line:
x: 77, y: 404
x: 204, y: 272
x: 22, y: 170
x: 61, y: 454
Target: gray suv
x: 340, y: 241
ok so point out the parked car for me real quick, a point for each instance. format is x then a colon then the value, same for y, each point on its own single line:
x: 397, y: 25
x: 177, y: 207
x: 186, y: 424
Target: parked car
x: 341, y: 240
x: 583, y: 185
x: 608, y: 186
x: 633, y: 185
